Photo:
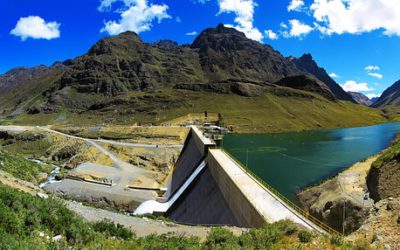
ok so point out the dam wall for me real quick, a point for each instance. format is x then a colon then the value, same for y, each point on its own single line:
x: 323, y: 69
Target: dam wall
x: 208, y: 187
x: 194, y: 151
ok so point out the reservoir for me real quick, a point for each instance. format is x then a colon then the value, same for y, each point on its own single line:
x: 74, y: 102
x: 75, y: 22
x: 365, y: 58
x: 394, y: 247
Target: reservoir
x: 292, y: 161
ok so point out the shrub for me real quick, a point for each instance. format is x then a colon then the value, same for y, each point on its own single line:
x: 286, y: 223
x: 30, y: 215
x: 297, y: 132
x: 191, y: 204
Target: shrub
x: 304, y: 236
x: 287, y: 227
x: 220, y: 238
x: 262, y: 238
x: 336, y: 240
x: 112, y: 229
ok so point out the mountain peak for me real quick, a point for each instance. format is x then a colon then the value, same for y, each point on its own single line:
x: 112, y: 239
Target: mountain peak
x: 123, y: 40
x: 221, y: 32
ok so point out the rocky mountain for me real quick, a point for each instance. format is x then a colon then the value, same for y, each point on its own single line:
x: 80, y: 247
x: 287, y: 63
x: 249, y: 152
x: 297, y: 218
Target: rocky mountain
x: 220, y: 60
x: 360, y: 98
x: 391, y: 96
x: 307, y: 64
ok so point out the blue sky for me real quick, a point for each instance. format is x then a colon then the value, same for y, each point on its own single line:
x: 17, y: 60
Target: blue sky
x: 358, y: 40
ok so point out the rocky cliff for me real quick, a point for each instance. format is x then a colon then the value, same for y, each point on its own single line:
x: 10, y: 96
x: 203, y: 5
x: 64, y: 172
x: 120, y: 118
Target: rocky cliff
x: 306, y: 63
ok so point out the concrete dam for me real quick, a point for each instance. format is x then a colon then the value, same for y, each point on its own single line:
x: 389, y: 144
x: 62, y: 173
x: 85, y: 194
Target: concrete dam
x: 208, y: 187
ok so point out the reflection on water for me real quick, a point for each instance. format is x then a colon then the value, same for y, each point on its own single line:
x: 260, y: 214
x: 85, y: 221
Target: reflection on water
x: 292, y: 161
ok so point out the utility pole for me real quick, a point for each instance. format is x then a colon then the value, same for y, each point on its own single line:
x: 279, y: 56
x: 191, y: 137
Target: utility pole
x: 247, y: 157
x: 344, y: 214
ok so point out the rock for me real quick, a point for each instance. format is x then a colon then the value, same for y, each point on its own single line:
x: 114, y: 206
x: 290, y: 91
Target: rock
x: 57, y: 238
x: 42, y: 177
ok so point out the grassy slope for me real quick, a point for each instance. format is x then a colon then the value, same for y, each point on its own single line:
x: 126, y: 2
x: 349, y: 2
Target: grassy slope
x: 277, y: 110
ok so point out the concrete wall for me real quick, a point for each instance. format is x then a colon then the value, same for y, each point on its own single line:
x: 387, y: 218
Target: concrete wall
x: 243, y: 210
x: 193, y: 152
x: 203, y: 204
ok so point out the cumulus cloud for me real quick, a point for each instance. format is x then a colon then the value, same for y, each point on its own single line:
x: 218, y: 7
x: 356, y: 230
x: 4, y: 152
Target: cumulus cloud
x: 271, y: 35
x: 297, y: 29
x: 37, y: 28
x: 356, y: 87
x: 296, y: 5
x: 137, y: 16
x: 370, y: 70
x: 193, y: 33
x: 334, y: 75
x: 357, y: 16
x: 244, y: 11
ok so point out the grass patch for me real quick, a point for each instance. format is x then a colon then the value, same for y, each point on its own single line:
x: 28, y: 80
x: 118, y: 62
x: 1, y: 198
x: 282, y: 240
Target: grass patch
x: 20, y: 167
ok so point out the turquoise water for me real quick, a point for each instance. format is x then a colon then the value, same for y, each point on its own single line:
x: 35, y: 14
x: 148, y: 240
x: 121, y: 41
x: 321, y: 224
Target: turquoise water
x: 292, y: 161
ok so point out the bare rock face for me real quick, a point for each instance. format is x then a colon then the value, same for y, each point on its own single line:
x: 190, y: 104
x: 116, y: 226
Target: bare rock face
x: 327, y: 203
x: 307, y: 64
x: 307, y: 83
x: 384, y: 181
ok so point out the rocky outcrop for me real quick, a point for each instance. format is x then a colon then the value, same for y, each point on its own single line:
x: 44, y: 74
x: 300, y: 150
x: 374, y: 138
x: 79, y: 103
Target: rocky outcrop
x: 382, y: 227
x: 384, y: 180
x: 307, y: 83
x: 226, y: 87
x: 341, y: 202
x: 306, y: 63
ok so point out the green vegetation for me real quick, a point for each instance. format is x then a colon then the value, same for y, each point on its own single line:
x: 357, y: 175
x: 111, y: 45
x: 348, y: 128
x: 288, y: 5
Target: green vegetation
x: 276, y: 110
x: 305, y: 236
x: 28, y: 222
x: 392, y: 152
x: 21, y: 168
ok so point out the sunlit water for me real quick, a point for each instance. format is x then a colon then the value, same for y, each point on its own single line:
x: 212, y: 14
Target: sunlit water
x: 292, y: 161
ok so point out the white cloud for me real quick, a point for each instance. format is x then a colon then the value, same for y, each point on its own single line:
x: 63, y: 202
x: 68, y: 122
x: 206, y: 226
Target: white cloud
x: 372, y: 95
x: 244, y: 11
x: 376, y: 75
x: 334, y: 75
x: 357, y: 16
x: 372, y: 68
x: 297, y: 29
x: 193, y: 33
x: 271, y: 35
x: 296, y: 5
x: 137, y: 16
x: 356, y: 87
x: 37, y: 28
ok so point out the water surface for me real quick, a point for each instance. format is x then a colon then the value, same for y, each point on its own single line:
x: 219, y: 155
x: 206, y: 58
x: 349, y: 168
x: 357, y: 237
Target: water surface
x: 292, y: 161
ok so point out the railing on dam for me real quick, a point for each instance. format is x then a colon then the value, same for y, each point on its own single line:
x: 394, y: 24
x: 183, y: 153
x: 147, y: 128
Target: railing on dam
x: 285, y: 200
